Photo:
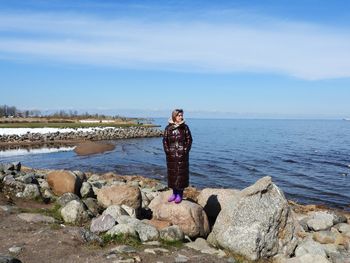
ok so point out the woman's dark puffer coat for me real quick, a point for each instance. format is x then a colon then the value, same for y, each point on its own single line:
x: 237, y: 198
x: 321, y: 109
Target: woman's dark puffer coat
x: 177, y: 143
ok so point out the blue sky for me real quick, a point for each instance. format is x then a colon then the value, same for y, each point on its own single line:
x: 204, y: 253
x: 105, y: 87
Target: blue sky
x: 264, y: 59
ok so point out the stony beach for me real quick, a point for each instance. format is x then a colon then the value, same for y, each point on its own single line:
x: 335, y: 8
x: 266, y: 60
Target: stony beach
x: 71, y: 216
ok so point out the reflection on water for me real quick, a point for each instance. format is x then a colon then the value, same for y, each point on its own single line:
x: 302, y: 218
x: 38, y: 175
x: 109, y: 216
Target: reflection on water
x: 23, y: 151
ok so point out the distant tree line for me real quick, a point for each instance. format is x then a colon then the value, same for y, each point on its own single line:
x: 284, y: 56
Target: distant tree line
x: 12, y: 111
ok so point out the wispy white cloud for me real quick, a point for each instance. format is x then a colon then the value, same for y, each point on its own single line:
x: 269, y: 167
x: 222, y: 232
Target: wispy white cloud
x: 267, y: 45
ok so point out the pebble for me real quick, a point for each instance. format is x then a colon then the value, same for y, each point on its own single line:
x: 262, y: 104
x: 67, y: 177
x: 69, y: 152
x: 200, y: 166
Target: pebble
x: 151, y: 243
x: 5, y: 208
x: 124, y: 249
x: 128, y: 260
x: 181, y: 259
x: 15, y: 249
x: 155, y: 250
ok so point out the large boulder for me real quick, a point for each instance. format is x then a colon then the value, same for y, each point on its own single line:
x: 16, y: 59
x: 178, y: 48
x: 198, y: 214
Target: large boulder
x: 120, y: 195
x: 213, y: 200
x: 259, y: 223
x: 64, y: 182
x: 190, y: 217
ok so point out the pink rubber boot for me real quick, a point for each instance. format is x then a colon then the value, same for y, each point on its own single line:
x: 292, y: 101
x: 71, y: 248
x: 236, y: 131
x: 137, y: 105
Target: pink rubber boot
x: 172, y: 198
x: 178, y: 199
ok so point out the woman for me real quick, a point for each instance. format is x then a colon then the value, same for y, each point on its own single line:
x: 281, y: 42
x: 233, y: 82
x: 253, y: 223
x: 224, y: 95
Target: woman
x: 177, y: 141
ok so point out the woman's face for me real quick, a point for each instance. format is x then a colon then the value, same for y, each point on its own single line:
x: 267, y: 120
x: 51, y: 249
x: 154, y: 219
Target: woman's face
x: 179, y: 118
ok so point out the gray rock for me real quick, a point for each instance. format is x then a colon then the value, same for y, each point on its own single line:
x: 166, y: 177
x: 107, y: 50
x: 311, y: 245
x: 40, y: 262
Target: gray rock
x: 11, y: 185
x: 31, y: 191
x: 325, y: 237
x: 126, y: 219
x: 93, y: 206
x: 199, y: 244
x: 94, y: 177
x: 202, y: 245
x: 339, y: 257
x: 231, y: 260
x: 10, y: 167
x: 320, y: 220
x: 86, y: 190
x: 8, y: 259
x: 28, y: 179
x: 339, y: 218
x: 9, y: 179
x: 130, y: 211
x: 152, y: 243
x: 47, y: 193
x: 16, y: 174
x: 150, y: 194
x: 15, y: 249
x: 81, y: 175
x: 36, y: 218
x: 309, y: 246
x: 171, y: 233
x: 212, y: 200
x: 330, y: 248
x: 102, y: 224
x: 307, y: 258
x: 43, y: 184
x: 124, y: 229
x: 133, y: 183
x: 343, y: 228
x: 19, y: 195
x: 303, y: 224
x: 127, y: 260
x: 147, y: 232
x: 97, y: 185
x: 115, y: 211
x: 123, y: 249
x: 181, y: 259
x: 74, y: 212
x: 159, y: 187
x: 64, y: 199
x: 156, y: 251
x: 6, y: 208
x: 17, y: 166
x: 89, y: 237
x: 258, y: 223
x: 145, y: 200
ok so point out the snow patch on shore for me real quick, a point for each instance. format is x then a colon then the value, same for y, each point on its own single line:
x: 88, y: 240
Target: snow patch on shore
x: 22, y: 131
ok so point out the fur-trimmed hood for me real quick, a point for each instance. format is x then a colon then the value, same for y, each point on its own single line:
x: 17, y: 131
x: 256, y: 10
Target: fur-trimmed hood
x: 171, y: 122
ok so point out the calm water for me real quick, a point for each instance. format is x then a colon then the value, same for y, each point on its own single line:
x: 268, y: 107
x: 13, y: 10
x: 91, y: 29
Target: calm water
x: 308, y: 159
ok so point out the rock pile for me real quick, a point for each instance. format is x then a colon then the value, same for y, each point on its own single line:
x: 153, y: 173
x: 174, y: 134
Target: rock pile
x: 94, y: 134
x: 256, y: 222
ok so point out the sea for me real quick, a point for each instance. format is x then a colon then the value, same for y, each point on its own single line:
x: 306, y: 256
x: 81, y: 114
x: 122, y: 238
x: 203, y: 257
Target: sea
x: 308, y: 159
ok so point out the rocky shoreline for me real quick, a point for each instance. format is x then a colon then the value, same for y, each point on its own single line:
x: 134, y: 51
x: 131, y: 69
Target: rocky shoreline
x: 210, y: 225
x: 79, y: 135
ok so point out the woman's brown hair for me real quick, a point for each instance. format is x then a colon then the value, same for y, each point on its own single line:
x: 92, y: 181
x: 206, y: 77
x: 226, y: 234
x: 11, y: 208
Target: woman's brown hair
x: 175, y: 113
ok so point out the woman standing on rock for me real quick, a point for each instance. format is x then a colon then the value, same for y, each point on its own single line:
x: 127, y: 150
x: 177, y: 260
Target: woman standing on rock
x: 177, y: 141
